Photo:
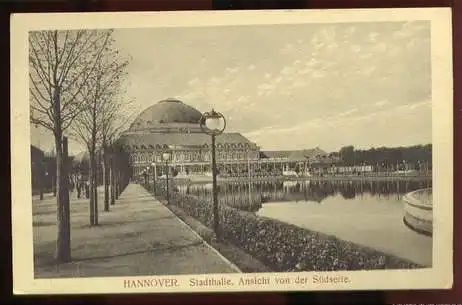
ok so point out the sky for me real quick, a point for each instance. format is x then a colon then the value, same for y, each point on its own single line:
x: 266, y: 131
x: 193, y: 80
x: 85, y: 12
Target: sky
x: 291, y: 86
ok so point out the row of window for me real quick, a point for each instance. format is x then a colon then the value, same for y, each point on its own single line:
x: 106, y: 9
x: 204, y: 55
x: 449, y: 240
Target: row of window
x: 193, y: 156
x: 218, y: 146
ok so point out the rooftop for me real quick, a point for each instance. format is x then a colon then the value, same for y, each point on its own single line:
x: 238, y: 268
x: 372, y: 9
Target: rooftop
x: 294, y: 154
x: 166, y: 112
x: 182, y: 139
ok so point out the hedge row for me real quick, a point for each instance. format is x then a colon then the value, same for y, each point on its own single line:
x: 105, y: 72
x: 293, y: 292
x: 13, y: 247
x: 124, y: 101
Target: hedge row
x: 286, y: 247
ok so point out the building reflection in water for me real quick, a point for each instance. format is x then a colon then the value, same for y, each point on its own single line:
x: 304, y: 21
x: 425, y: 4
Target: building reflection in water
x: 251, y: 196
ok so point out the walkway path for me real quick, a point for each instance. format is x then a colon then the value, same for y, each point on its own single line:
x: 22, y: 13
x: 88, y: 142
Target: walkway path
x: 139, y: 236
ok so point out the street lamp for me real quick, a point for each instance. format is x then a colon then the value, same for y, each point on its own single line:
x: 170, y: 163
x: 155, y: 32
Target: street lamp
x: 213, y: 123
x: 46, y: 181
x: 147, y: 178
x: 145, y: 174
x: 166, y: 157
x: 154, y: 174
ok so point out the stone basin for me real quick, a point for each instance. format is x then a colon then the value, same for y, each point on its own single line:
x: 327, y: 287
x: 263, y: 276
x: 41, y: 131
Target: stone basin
x: 418, y: 211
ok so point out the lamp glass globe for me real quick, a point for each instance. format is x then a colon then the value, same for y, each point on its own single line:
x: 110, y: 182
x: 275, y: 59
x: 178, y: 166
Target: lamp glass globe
x: 214, y: 123
x: 166, y: 156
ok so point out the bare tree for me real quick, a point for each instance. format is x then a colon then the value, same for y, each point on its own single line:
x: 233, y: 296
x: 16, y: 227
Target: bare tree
x: 60, y: 66
x: 101, y: 100
x: 117, y: 117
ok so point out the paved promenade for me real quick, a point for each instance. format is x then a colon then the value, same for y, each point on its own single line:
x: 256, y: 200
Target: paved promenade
x: 138, y: 236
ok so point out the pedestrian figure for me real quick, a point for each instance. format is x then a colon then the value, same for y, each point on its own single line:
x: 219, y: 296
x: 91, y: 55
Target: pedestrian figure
x: 79, y: 188
x: 71, y: 185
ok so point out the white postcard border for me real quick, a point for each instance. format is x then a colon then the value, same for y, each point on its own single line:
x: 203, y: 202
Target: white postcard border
x: 439, y: 276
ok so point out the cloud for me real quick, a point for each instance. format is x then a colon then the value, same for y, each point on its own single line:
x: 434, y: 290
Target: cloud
x: 373, y: 36
x: 413, y: 106
x: 410, y: 29
x: 381, y: 103
x: 349, y: 122
x: 348, y: 117
x: 318, y: 76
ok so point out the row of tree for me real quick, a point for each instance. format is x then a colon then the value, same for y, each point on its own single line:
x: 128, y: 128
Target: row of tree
x: 76, y: 90
x: 415, y: 155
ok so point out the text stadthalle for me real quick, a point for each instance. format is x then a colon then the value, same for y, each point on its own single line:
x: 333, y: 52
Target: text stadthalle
x: 330, y: 279
x: 210, y: 281
x: 254, y: 280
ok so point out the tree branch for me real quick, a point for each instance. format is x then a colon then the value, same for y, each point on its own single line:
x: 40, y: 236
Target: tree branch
x: 42, y: 123
x: 37, y: 60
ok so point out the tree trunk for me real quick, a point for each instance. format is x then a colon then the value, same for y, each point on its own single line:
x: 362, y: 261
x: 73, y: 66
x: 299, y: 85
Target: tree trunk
x: 94, y: 184
x: 106, y: 170
x: 111, y: 168
x: 63, y: 253
x: 116, y: 183
x: 121, y: 183
x: 54, y: 180
x: 90, y: 179
x: 41, y: 179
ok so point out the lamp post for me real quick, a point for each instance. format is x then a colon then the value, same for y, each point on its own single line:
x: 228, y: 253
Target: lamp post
x: 213, y: 123
x: 154, y: 174
x: 147, y: 178
x: 46, y: 179
x: 166, y: 157
x: 145, y: 174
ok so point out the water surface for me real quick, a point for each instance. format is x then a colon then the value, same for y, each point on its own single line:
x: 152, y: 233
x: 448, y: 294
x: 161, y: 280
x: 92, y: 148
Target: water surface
x: 369, y: 213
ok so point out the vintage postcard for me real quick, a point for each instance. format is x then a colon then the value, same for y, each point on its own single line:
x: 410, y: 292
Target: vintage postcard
x: 221, y: 151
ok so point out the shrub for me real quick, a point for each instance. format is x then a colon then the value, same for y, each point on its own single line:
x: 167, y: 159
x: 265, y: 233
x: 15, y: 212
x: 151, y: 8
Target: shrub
x: 286, y: 247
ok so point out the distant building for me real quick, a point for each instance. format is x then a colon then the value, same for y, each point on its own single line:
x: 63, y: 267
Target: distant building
x: 174, y: 126
x: 37, y: 168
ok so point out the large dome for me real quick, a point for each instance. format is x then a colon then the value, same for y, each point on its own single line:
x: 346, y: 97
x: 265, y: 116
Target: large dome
x: 169, y: 111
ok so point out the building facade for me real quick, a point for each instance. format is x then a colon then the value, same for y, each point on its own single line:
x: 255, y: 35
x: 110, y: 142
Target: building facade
x: 173, y: 126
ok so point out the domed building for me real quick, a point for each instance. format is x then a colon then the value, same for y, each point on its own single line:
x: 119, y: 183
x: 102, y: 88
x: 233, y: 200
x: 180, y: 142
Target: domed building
x: 171, y: 125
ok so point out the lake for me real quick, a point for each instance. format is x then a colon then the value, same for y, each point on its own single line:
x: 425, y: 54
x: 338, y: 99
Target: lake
x: 369, y: 213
